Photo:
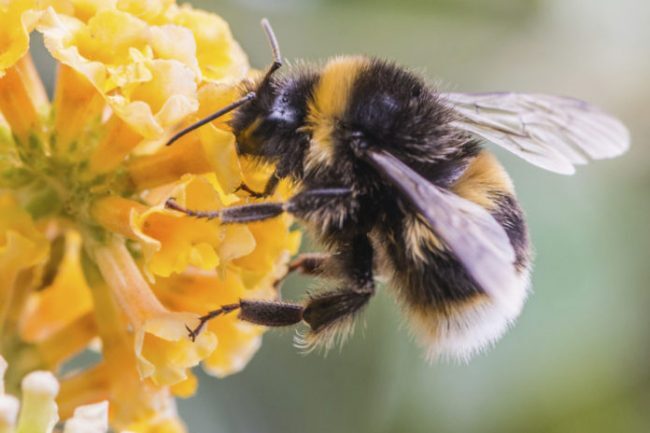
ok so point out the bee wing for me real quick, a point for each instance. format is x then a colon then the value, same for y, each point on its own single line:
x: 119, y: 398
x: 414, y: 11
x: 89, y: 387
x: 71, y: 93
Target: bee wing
x: 469, y: 231
x: 552, y: 132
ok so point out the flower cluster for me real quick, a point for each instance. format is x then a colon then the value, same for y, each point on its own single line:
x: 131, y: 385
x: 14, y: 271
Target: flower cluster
x: 90, y: 256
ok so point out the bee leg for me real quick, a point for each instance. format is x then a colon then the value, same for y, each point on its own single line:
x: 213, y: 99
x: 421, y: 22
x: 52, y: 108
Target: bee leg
x: 330, y: 314
x: 266, y: 313
x: 269, y: 188
x: 299, y: 204
x: 271, y: 313
x: 309, y: 263
x: 306, y: 264
x: 225, y: 309
x: 331, y: 308
x: 281, y: 313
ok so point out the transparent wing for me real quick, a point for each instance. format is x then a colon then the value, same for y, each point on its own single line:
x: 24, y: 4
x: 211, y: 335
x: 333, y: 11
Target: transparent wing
x: 469, y: 231
x: 552, y: 132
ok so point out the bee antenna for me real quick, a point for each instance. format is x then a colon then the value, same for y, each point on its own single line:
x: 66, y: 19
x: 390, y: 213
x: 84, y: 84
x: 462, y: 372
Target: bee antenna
x: 275, y: 48
x: 227, y: 109
x: 277, y: 63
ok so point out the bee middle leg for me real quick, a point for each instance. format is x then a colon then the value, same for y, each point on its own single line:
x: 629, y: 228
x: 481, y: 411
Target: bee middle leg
x: 307, y: 264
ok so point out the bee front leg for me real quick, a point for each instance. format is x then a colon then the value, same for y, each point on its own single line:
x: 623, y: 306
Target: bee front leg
x: 298, y: 205
x: 269, y: 188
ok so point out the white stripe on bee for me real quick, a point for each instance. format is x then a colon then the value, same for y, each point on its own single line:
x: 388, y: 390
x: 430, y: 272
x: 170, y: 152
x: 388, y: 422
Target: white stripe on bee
x: 471, y: 326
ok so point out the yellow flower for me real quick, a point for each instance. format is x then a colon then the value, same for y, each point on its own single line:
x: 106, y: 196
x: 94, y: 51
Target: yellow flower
x: 220, y: 57
x: 49, y: 310
x: 116, y: 52
x: 22, y: 16
x: 136, y: 405
x: 172, y: 242
x: 90, y: 256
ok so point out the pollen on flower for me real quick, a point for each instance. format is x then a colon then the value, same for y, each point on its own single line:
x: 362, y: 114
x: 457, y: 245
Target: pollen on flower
x: 89, y: 254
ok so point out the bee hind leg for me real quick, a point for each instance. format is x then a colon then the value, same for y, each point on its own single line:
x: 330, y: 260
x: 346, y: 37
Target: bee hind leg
x: 331, y: 314
x: 270, y: 313
x: 266, y: 313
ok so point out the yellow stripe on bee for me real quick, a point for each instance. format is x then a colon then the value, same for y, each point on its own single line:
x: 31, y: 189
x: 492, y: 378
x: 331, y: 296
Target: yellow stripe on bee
x: 483, y: 178
x: 419, y: 239
x: 328, y: 104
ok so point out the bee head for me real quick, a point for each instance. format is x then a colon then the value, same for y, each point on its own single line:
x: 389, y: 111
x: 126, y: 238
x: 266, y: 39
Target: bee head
x: 268, y: 119
x: 270, y: 125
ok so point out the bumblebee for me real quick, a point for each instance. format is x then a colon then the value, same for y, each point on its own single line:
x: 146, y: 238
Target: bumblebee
x: 394, y: 181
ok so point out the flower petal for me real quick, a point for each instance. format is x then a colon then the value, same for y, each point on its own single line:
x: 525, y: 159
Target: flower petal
x: 86, y: 9
x: 149, y: 10
x: 220, y: 57
x: 19, y: 18
x: 113, y: 50
x: 164, y: 350
x: 175, y: 42
x: 201, y: 291
x: 268, y: 261
x: 50, y: 310
x: 22, y: 247
x: 22, y: 100
x: 171, y: 241
x: 78, y: 107
x: 209, y: 150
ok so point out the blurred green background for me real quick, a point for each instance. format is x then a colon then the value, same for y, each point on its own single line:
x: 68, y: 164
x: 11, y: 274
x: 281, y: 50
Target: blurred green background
x: 578, y: 359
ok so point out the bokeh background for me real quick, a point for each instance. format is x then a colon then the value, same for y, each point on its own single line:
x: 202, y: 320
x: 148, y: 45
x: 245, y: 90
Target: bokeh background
x: 578, y: 359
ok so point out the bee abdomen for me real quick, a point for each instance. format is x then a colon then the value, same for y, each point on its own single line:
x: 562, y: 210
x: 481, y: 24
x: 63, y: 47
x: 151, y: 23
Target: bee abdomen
x: 449, y: 313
